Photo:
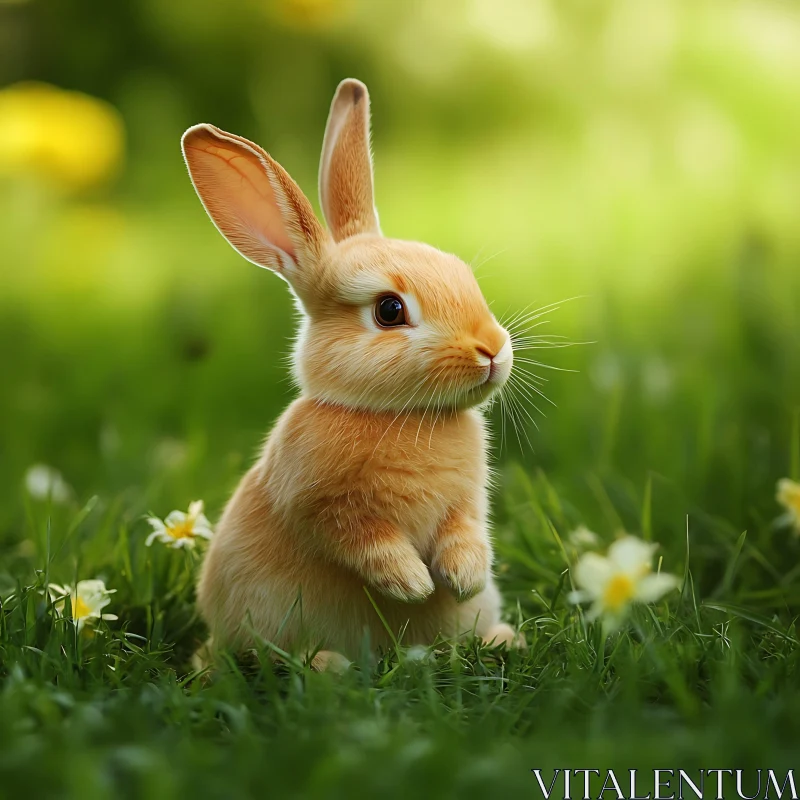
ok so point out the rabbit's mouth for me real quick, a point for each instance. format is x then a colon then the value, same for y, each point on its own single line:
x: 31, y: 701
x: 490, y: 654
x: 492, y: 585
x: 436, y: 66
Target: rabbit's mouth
x: 491, y: 377
x: 492, y: 382
x: 496, y: 373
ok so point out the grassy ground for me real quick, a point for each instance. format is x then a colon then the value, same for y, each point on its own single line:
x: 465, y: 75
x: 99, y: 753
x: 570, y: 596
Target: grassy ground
x: 677, y: 425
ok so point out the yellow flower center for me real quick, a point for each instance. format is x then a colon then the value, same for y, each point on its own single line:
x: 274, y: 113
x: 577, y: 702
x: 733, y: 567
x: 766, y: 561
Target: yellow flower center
x: 79, y: 608
x: 791, y: 499
x: 182, y: 530
x: 619, y: 591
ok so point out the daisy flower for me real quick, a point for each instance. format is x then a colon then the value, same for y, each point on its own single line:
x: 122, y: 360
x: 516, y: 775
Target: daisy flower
x: 181, y: 529
x: 583, y: 539
x: 788, y: 495
x: 44, y: 482
x: 87, y: 601
x: 623, y: 576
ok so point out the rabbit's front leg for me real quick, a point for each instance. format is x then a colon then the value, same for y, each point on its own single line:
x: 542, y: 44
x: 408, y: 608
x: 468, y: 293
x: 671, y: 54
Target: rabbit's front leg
x: 462, y: 556
x: 383, y: 558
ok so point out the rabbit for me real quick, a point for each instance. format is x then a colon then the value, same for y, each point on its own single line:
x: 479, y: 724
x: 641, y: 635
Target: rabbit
x: 376, y: 476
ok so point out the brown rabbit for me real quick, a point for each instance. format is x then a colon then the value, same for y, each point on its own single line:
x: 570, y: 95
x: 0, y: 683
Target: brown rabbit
x: 376, y: 476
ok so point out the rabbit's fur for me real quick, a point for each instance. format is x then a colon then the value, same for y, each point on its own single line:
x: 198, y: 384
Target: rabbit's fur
x: 376, y: 476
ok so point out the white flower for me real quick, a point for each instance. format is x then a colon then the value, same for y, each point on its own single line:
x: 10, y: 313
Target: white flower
x: 788, y: 495
x: 582, y: 538
x: 419, y: 654
x: 613, y: 581
x: 658, y: 379
x: 607, y: 372
x: 44, y: 482
x: 87, y: 601
x: 181, y: 529
x: 170, y: 454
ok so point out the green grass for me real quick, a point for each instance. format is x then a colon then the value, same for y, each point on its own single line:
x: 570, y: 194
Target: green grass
x: 692, y: 683
x: 149, y: 407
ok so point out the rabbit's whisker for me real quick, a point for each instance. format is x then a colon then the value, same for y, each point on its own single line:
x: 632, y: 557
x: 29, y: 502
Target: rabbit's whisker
x: 535, y: 363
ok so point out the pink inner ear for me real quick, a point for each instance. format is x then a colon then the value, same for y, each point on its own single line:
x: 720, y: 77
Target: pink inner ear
x: 233, y: 183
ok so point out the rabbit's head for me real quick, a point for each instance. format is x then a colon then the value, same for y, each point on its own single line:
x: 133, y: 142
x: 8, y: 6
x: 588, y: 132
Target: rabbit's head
x: 386, y: 324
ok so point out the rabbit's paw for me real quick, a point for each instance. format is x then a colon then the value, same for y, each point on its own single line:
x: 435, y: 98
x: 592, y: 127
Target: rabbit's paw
x: 502, y: 634
x: 407, y: 580
x: 462, y: 568
x: 330, y: 661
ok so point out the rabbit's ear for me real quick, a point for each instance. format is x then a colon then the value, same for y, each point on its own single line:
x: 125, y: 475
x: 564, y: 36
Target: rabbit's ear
x: 253, y: 202
x: 345, y: 170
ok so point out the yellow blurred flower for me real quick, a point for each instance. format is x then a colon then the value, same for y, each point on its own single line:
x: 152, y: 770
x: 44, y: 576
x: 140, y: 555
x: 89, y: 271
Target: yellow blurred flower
x: 67, y: 137
x: 788, y: 495
x: 310, y: 13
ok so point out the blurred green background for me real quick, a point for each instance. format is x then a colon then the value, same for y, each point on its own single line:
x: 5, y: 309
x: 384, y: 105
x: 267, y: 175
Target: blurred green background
x: 642, y: 157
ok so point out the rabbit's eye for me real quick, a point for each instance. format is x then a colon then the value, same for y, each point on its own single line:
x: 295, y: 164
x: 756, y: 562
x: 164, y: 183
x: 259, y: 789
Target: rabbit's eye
x: 390, y: 311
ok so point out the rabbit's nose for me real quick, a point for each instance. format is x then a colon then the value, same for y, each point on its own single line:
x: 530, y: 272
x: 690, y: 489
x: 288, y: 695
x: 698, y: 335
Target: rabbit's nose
x: 482, y: 350
x: 488, y: 340
x: 498, y: 360
x: 498, y: 354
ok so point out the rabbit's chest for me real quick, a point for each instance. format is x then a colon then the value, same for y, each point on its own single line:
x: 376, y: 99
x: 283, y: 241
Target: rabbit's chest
x: 410, y: 472
x: 417, y: 481
x: 418, y: 494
